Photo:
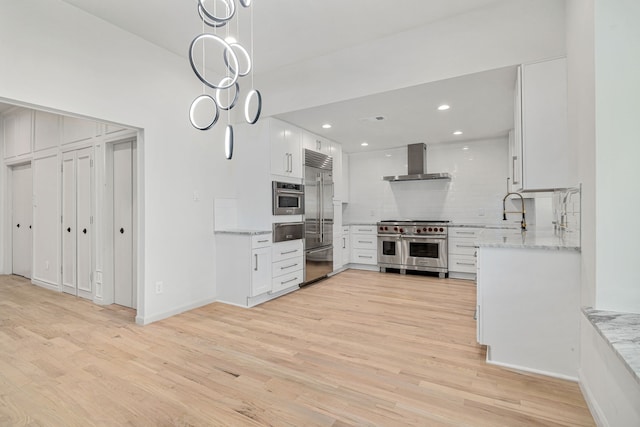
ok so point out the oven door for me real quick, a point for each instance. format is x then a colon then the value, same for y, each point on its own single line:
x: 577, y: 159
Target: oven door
x: 424, y: 253
x: 389, y: 251
x: 288, y: 202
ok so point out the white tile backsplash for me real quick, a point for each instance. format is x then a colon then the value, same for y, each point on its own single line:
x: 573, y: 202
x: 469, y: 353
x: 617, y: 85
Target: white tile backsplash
x: 479, y: 171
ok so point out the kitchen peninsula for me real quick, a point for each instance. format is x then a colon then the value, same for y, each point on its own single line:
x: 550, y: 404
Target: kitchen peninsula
x: 528, y: 300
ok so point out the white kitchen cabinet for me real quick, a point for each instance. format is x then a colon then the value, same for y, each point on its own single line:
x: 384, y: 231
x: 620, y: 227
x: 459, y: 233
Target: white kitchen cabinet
x: 243, y: 269
x: 78, y: 130
x: 286, y: 149
x: 18, y: 133
x: 46, y: 131
x: 317, y: 143
x: 539, y: 149
x: 337, y: 236
x: 288, y: 265
x: 345, y: 242
x: 364, y: 245
x: 528, y: 304
x: 462, y: 252
x: 343, y: 185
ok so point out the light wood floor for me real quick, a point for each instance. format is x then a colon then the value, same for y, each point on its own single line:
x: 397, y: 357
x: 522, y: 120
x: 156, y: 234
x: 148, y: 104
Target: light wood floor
x: 361, y: 348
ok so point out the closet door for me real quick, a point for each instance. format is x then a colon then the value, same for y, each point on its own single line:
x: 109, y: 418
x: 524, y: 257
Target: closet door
x: 84, y: 226
x: 69, y: 283
x: 77, y: 224
x: 22, y: 214
x: 124, y: 233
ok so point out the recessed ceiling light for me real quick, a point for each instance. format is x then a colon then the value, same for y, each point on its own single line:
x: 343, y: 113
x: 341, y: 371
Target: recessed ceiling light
x: 443, y: 107
x: 364, y: 144
x: 458, y: 132
x: 465, y: 148
x: 326, y: 126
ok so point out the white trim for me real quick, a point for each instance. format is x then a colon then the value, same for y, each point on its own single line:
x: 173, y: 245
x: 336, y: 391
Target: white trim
x: 46, y: 285
x: 533, y: 371
x: 140, y: 320
x: 594, y: 408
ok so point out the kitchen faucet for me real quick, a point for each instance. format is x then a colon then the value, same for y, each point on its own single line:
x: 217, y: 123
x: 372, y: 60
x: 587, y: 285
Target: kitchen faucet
x: 523, y: 223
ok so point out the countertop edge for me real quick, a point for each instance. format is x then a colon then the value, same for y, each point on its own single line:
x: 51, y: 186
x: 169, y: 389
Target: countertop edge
x: 243, y: 232
x: 626, y: 348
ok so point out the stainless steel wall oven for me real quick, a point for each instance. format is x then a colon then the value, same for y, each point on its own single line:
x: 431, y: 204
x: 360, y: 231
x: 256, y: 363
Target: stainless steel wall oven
x: 413, y: 245
x: 288, y: 199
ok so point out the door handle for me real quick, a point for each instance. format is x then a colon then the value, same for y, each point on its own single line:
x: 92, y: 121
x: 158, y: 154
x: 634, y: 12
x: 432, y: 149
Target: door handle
x: 29, y: 227
x: 18, y: 225
x: 256, y: 268
x: 69, y: 229
x: 84, y: 230
x: 121, y: 230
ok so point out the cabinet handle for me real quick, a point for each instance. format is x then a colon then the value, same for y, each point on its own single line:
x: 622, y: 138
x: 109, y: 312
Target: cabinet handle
x: 289, y: 252
x: 515, y: 158
x: 465, y: 263
x: 363, y: 229
x: 365, y: 241
x: 465, y: 246
x: 263, y: 241
x: 256, y: 267
x: 290, y: 280
x: 344, y: 243
x: 364, y: 256
x: 288, y: 266
x: 465, y: 232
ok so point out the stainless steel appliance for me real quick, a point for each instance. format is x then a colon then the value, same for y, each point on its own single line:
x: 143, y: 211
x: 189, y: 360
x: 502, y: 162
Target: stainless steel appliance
x: 288, y: 199
x: 413, y: 245
x: 284, y: 231
x: 318, y: 193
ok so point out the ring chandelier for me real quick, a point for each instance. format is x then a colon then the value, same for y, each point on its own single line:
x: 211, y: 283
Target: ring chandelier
x: 205, y: 108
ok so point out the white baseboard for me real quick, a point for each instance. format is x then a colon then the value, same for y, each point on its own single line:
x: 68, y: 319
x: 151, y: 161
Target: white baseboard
x: 594, y: 408
x: 46, y: 285
x: 533, y: 371
x: 145, y: 320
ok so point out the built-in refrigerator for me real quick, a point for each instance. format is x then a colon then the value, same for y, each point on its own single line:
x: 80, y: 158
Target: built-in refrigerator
x: 318, y: 197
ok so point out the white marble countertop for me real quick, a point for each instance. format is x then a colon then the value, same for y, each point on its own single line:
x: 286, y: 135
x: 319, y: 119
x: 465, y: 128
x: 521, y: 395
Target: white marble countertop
x: 530, y: 239
x: 622, y: 332
x: 243, y: 231
x: 500, y: 226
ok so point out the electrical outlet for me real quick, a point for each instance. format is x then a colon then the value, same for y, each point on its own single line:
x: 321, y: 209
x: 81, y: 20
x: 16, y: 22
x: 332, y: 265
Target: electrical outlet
x: 159, y: 287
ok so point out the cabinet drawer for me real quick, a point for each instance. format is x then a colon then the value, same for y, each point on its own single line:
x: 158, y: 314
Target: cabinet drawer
x: 364, y: 256
x: 287, y: 280
x: 286, y: 250
x: 462, y: 246
x: 287, y: 266
x: 462, y: 263
x: 464, y: 232
x: 360, y: 241
x: 364, y: 229
x: 260, y: 241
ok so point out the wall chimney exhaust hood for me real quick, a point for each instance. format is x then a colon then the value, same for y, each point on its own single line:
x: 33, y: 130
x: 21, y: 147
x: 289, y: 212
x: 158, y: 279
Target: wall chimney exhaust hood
x: 417, y: 163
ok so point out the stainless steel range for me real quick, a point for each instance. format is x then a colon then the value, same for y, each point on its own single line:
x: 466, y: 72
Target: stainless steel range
x: 413, y: 245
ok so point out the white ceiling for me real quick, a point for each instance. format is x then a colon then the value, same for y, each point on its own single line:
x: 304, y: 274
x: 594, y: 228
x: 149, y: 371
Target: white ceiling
x: 292, y: 31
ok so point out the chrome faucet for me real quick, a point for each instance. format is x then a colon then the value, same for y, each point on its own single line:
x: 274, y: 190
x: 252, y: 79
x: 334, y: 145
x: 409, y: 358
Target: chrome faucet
x: 523, y: 223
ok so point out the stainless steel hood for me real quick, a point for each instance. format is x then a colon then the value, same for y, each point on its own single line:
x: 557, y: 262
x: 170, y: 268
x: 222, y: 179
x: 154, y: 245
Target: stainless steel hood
x: 416, y: 165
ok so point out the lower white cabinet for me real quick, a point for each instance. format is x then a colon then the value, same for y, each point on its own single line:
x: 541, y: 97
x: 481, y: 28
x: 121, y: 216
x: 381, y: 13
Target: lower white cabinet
x: 364, y: 244
x: 462, y: 252
x: 288, y: 265
x: 243, y: 267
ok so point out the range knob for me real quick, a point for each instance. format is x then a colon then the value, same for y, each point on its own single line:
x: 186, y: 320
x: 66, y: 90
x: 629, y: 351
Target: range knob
x: 441, y: 229
x: 401, y: 230
x: 419, y: 231
x: 395, y: 228
x: 386, y: 228
x: 424, y: 229
x: 430, y: 229
x: 381, y: 228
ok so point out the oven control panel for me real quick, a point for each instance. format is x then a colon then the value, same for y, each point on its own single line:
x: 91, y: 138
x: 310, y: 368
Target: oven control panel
x: 412, y: 229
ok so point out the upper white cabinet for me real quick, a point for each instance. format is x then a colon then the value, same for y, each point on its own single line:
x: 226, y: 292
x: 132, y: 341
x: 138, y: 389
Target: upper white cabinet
x: 316, y: 143
x: 46, y: 131
x: 539, y: 147
x: 286, y: 149
x: 322, y: 145
x: 18, y: 133
x: 76, y: 130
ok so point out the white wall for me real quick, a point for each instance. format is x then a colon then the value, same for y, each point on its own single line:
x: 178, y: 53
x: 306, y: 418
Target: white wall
x: 506, y: 33
x: 617, y: 71
x: 66, y: 60
x: 474, y: 194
